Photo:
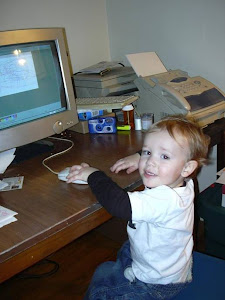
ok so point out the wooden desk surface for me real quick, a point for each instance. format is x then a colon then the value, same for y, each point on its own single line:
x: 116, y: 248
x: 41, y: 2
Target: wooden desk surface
x: 52, y: 213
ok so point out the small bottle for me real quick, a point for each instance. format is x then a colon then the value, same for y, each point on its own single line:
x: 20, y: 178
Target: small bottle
x: 146, y: 121
x: 137, y: 121
x: 128, y: 115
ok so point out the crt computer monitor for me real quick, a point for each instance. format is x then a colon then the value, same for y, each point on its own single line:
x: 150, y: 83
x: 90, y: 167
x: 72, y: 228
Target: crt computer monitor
x: 36, y: 92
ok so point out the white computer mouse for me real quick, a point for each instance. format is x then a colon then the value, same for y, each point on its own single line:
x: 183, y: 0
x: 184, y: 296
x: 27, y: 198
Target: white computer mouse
x: 64, y: 173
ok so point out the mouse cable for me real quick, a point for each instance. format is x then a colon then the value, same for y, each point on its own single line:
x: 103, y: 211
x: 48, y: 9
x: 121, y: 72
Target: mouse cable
x: 57, y: 154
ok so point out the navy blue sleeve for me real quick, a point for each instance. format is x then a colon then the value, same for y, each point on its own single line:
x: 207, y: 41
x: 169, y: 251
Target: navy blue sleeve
x: 112, y: 197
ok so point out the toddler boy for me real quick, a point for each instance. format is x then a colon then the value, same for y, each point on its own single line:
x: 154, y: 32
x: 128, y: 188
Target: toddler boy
x: 156, y: 262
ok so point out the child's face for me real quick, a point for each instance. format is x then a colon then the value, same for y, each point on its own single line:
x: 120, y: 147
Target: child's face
x: 163, y: 160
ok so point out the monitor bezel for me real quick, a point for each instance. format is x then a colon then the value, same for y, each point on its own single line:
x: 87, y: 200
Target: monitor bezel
x: 38, y: 129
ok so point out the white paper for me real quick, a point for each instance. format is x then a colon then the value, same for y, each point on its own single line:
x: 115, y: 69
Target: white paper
x: 220, y: 172
x: 6, y: 158
x: 6, y: 213
x: 146, y: 63
x: 7, y: 216
x: 221, y: 179
x: 8, y: 221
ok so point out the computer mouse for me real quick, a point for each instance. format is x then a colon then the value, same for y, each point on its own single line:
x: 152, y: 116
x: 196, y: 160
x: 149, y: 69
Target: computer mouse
x: 64, y: 173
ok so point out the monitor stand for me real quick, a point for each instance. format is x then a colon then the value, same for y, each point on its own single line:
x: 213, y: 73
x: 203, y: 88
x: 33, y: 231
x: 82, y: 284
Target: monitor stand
x: 31, y: 150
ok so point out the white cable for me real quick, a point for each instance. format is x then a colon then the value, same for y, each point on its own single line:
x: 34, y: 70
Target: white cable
x: 56, y: 154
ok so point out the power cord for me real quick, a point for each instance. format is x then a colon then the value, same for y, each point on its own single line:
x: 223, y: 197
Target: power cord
x: 57, y: 154
x: 55, y: 268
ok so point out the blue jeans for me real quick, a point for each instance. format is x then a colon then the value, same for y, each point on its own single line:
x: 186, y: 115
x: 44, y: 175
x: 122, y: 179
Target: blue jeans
x: 108, y: 282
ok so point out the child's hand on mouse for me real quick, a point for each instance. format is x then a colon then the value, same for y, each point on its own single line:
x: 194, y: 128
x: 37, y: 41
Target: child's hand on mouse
x: 80, y: 172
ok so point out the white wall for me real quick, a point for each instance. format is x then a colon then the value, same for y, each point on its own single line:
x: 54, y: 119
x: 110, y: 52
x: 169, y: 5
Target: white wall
x: 189, y: 35
x: 186, y: 34
x: 84, y: 20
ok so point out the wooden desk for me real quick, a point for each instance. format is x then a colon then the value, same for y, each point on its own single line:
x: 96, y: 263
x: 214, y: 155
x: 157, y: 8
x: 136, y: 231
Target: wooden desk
x: 52, y: 213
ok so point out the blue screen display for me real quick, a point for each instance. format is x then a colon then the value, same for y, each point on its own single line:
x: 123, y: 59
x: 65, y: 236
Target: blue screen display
x: 31, y: 83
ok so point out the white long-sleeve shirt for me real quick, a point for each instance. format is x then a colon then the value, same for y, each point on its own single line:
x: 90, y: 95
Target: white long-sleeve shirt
x: 162, y: 242
x: 160, y: 227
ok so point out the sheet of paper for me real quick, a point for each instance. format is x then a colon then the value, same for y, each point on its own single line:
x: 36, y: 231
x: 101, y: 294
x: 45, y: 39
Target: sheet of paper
x: 220, y: 172
x: 146, y: 63
x: 8, y: 221
x: 221, y: 179
x: 6, y: 158
x: 6, y: 214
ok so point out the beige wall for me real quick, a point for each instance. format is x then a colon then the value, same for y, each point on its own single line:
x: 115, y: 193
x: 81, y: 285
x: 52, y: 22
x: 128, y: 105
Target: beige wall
x: 84, y: 20
x: 186, y: 34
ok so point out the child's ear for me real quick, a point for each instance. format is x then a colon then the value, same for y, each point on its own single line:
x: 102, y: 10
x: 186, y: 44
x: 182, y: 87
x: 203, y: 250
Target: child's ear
x: 189, y: 168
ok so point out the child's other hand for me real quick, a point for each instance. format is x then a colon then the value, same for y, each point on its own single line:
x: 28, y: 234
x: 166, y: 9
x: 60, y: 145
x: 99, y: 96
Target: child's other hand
x: 80, y: 172
x: 128, y: 163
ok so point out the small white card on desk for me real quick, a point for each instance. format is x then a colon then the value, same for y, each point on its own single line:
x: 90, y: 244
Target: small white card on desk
x: 13, y: 183
x: 6, y: 216
x: 3, y: 185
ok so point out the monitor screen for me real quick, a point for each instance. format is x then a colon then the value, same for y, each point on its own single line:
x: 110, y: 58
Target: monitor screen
x: 36, y: 93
